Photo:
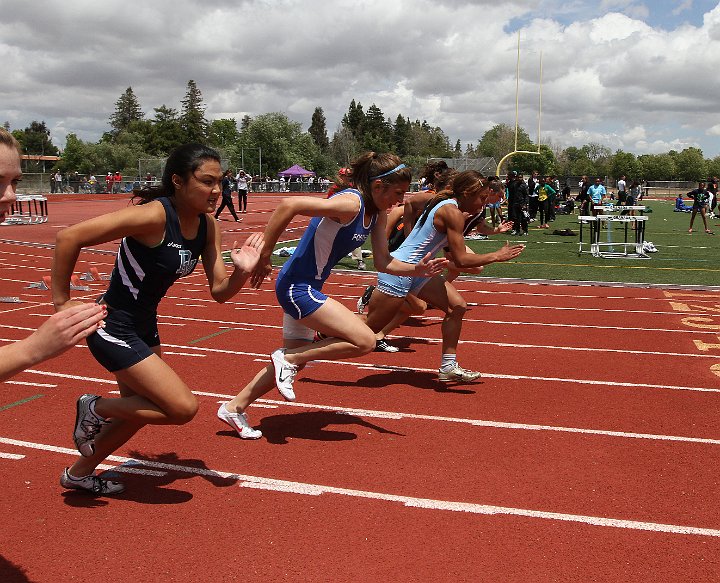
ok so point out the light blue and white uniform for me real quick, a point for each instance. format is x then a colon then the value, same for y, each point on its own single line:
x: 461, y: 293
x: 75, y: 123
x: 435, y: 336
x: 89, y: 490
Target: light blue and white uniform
x: 322, y: 246
x: 423, y: 239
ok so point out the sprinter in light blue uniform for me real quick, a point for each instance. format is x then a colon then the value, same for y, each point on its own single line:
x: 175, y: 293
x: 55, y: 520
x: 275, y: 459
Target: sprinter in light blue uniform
x: 340, y: 224
x: 442, y: 224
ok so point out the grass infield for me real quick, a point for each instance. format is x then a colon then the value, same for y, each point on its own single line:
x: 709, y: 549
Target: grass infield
x: 681, y: 259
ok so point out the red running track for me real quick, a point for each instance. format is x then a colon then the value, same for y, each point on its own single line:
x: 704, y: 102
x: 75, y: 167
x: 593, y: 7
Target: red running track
x: 587, y: 453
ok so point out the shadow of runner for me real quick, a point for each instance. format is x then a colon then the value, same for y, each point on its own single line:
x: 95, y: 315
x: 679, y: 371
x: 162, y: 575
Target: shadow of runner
x: 151, y: 489
x: 381, y: 380
x: 11, y: 573
x: 278, y: 429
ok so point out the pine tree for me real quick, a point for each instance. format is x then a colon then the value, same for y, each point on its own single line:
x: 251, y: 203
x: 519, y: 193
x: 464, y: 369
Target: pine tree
x: 127, y: 110
x: 318, y: 131
x: 192, y: 118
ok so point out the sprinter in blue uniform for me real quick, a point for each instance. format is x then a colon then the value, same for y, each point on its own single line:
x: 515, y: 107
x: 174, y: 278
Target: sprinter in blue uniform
x: 340, y: 224
x: 162, y: 239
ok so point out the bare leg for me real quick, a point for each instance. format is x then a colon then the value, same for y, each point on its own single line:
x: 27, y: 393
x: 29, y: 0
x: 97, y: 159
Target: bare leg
x: 151, y: 393
x: 445, y: 297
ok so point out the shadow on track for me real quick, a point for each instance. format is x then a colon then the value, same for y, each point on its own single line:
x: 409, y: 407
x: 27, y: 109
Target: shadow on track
x: 11, y: 573
x: 152, y: 489
x: 409, y: 378
x: 314, y: 425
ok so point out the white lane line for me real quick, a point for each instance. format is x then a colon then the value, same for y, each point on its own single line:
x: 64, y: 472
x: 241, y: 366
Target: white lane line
x: 44, y: 385
x: 575, y: 325
x: 370, y: 366
x: 287, y: 486
x: 11, y: 456
x: 269, y: 403
x: 130, y: 469
x: 603, y: 310
x: 568, y: 348
x: 184, y: 354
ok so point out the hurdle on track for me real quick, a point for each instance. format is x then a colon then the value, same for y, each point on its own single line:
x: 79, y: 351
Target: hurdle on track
x: 28, y: 209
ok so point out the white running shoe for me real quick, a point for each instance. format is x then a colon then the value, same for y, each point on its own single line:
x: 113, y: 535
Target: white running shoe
x: 457, y: 374
x: 284, y: 374
x: 92, y: 483
x: 239, y: 422
x: 87, y: 425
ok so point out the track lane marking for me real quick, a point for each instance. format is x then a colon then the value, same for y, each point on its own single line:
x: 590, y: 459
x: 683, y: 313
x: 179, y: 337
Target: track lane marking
x: 365, y: 366
x: 304, y: 488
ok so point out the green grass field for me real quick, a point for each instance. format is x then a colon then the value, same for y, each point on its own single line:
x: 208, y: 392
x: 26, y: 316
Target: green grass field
x: 681, y: 258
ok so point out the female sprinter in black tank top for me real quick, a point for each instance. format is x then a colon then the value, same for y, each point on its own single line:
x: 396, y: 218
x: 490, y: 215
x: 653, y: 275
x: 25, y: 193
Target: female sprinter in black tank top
x: 162, y: 241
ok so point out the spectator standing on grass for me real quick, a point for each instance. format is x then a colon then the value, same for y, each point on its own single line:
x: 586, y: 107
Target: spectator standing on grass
x: 596, y: 193
x: 227, y: 200
x: 243, y: 183
x: 545, y: 197
x: 163, y: 238
x: 518, y: 200
x: 712, y: 186
x: 583, y: 198
x: 701, y: 197
x: 339, y: 224
x: 59, y: 332
x: 622, y: 190
x: 109, y: 181
x: 533, y: 204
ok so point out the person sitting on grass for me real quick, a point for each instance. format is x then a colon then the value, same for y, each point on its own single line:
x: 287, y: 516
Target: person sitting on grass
x: 680, y: 206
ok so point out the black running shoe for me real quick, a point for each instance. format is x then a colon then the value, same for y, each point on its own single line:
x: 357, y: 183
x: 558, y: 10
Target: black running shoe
x: 365, y: 299
x: 383, y: 346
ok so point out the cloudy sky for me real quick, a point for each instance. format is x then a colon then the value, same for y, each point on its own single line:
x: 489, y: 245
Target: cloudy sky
x: 638, y: 75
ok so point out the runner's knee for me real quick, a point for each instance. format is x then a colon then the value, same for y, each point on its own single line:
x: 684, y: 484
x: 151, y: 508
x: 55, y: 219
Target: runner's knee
x: 183, y: 411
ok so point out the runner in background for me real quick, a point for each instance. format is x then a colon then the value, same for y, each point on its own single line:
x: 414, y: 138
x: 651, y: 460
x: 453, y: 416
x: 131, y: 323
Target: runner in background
x: 162, y: 240
x: 339, y: 224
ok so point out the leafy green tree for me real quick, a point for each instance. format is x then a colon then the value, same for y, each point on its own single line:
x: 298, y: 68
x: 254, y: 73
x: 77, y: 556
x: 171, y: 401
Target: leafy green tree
x: 545, y: 162
x: 713, y: 166
x: 690, y: 165
x: 354, y: 119
x: 624, y: 163
x: 457, y: 153
x: 245, y: 122
x: 401, y: 136
x: 192, y: 116
x: 344, y: 146
x: 318, y: 130
x: 499, y: 141
x: 583, y: 166
x: 377, y: 134
x: 127, y: 111
x: 282, y: 141
x: 656, y: 167
x: 35, y: 139
x: 223, y: 133
x: 165, y: 132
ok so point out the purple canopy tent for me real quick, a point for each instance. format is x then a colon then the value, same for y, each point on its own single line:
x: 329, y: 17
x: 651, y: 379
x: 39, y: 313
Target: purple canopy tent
x: 295, y: 171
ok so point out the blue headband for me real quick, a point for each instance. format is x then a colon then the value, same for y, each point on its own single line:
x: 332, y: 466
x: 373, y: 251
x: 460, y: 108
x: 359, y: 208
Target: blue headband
x: 399, y: 167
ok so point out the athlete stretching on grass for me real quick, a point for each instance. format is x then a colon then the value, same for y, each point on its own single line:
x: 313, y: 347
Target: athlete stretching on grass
x: 442, y: 224
x: 161, y: 242
x: 340, y: 224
